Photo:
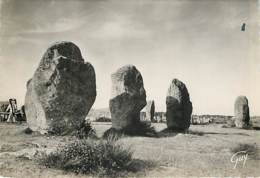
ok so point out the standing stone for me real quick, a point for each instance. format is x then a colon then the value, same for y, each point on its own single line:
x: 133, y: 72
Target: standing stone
x: 179, y: 106
x: 150, y: 108
x: 61, y: 92
x: 128, y: 97
x: 241, y: 112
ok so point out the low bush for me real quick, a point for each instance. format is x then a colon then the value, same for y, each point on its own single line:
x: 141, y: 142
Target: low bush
x: 83, y: 130
x: 139, y: 129
x: 94, y: 157
x: 112, y: 133
x: 28, y: 131
x: 103, y: 119
x: 86, y: 131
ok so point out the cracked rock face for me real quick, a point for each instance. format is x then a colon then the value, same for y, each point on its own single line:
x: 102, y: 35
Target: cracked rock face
x: 61, y: 91
x: 241, y: 112
x: 128, y: 97
x: 178, y: 106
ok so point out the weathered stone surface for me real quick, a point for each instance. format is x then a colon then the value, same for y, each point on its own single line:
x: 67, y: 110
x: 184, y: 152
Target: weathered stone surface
x: 179, y: 106
x: 150, y: 108
x: 128, y: 97
x: 241, y: 112
x: 62, y: 90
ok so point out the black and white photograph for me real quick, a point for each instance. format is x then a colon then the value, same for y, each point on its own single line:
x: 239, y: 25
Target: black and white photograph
x: 129, y: 88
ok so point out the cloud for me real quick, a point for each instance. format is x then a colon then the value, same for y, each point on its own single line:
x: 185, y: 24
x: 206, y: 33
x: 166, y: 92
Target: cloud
x: 61, y: 25
x: 119, y: 28
x: 199, y: 42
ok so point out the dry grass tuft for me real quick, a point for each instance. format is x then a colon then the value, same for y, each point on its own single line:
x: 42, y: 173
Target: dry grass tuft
x: 93, y: 157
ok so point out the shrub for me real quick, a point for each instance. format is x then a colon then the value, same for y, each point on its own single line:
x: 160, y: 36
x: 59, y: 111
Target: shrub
x: 60, y: 128
x: 86, y: 131
x: 28, y: 131
x: 103, y: 119
x: 113, y: 134
x: 90, y: 157
x: 139, y: 129
x: 83, y: 130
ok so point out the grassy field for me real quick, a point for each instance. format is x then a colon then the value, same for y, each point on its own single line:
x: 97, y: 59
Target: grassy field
x: 205, y: 150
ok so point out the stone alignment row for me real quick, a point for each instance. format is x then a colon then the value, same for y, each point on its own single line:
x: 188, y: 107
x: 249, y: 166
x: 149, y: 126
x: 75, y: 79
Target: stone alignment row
x: 63, y: 90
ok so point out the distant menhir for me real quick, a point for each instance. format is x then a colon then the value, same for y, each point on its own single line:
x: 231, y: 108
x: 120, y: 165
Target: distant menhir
x: 150, y: 109
x: 242, y: 112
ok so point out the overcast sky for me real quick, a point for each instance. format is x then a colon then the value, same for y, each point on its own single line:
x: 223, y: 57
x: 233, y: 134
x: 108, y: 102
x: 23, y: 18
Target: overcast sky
x: 200, y: 42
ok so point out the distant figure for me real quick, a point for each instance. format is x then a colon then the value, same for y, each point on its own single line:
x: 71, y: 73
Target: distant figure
x: 12, y: 109
x: 243, y: 28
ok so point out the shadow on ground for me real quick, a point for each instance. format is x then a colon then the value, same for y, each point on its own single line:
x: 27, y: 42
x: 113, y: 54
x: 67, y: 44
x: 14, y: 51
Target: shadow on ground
x: 171, y: 133
x: 116, y: 134
x: 138, y: 165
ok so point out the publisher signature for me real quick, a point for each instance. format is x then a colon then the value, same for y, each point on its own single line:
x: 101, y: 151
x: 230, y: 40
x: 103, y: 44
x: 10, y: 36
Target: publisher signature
x: 239, y: 157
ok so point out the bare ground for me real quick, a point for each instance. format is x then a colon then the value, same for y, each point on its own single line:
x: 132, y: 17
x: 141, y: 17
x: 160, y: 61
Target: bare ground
x: 204, y: 151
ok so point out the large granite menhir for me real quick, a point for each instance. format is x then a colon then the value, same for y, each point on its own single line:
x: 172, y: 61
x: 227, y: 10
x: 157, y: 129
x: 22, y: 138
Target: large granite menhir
x: 178, y: 106
x: 128, y: 97
x: 241, y: 112
x: 61, y: 91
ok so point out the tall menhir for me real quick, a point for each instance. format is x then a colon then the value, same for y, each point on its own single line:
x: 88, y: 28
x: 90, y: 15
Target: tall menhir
x: 61, y: 91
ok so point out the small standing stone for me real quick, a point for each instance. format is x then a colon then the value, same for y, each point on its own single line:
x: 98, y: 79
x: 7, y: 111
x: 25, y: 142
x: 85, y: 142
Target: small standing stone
x: 150, y: 108
x: 241, y: 112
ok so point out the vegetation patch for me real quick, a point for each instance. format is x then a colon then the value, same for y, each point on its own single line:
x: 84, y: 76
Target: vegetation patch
x: 84, y: 130
x: 28, y: 131
x: 113, y: 133
x: 141, y: 129
x: 92, y: 157
x: 103, y: 119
